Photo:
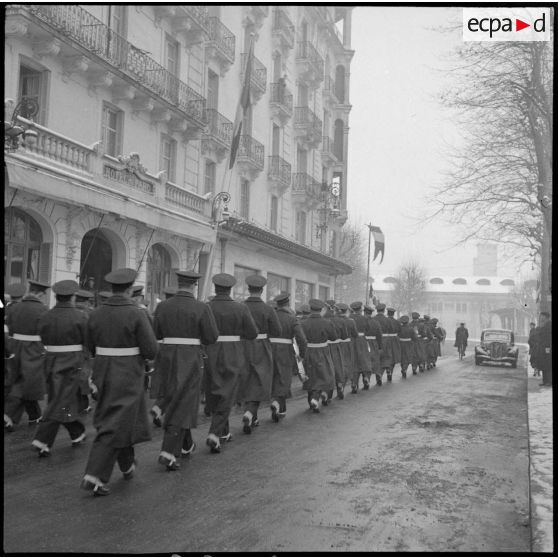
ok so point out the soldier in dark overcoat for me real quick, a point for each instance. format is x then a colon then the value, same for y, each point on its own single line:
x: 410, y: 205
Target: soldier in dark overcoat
x: 396, y: 348
x: 226, y: 359
x: 418, y: 349
x: 341, y: 359
x: 84, y: 302
x: 121, y: 339
x: 15, y: 292
x: 183, y: 324
x: 255, y: 387
x: 284, y: 356
x: 431, y: 343
x: 28, y: 376
x: 425, y: 338
x: 362, y: 364
x: 374, y: 338
x: 63, y: 331
x: 317, y: 362
x: 407, y: 338
x: 304, y: 311
x: 438, y: 337
x: 387, y: 354
x: 342, y: 311
x: 543, y: 348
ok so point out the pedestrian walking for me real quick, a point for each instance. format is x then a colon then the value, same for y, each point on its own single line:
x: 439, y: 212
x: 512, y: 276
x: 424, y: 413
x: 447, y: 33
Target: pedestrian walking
x: 226, y: 359
x: 418, y: 355
x: 317, y: 362
x: 461, y: 336
x: 284, y: 356
x: 183, y: 324
x: 407, y: 339
x: 121, y: 338
x: 544, y: 348
x: 387, y: 354
x: 362, y: 362
x: 28, y: 377
x: 342, y: 311
x: 256, y: 385
x: 335, y: 350
x: 531, y: 341
x: 396, y: 347
x: 63, y: 332
x: 342, y: 362
x: 438, y: 337
x: 374, y: 337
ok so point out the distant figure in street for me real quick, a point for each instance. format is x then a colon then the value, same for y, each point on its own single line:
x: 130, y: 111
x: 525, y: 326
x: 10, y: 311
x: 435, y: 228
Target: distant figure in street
x: 461, y: 336
x: 543, y: 348
x: 532, y: 342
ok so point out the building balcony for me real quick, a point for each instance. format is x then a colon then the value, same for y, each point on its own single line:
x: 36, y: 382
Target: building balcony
x: 327, y: 152
x: 307, y: 127
x: 281, y: 102
x: 282, y: 30
x: 258, y: 81
x: 253, y: 16
x: 309, y: 63
x: 216, y: 141
x: 305, y: 191
x: 221, y: 44
x: 278, y: 174
x: 250, y: 157
x: 87, y: 46
x: 328, y: 92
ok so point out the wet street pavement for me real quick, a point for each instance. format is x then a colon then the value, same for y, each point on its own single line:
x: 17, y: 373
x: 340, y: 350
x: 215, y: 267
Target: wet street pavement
x: 434, y: 463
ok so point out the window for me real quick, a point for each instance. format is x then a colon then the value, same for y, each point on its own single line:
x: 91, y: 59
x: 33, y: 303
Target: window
x: 300, y: 232
x: 323, y: 292
x: 32, y: 85
x: 240, y: 290
x: 277, y: 284
x: 158, y: 274
x: 340, y: 84
x: 483, y: 282
x: 338, y: 139
x: 117, y: 19
x: 303, y: 293
x: 172, y: 56
x: 437, y: 281
x: 461, y: 307
x: 112, y: 130
x: 168, y: 157
x: 333, y: 244
x: 210, y: 172
x: 459, y: 281
x: 436, y: 307
x: 212, y: 90
x: 245, y: 199
x: 274, y: 213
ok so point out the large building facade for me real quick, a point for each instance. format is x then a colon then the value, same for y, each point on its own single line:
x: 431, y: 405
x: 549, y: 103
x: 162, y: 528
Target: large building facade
x: 134, y: 127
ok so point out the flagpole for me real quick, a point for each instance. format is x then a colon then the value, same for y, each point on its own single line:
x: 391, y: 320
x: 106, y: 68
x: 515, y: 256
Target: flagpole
x: 367, y: 297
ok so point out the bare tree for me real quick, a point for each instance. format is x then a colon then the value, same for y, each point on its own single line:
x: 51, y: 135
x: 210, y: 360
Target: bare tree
x: 499, y: 187
x: 409, y: 288
x: 352, y: 251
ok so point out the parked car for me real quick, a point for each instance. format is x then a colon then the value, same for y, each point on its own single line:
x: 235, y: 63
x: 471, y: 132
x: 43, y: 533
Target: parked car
x: 496, y: 345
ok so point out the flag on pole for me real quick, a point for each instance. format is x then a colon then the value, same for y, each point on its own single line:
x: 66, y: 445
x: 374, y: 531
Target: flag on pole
x: 243, y: 104
x: 379, y: 242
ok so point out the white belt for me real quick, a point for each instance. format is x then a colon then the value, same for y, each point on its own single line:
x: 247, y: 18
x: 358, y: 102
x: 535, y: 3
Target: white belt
x: 261, y: 336
x: 405, y: 339
x: 6, y: 330
x: 389, y: 334
x: 370, y: 337
x: 117, y: 351
x: 336, y: 341
x: 348, y: 340
x: 63, y: 348
x: 21, y: 337
x: 316, y: 345
x: 181, y: 341
x: 225, y: 338
x: 361, y: 334
x: 281, y: 340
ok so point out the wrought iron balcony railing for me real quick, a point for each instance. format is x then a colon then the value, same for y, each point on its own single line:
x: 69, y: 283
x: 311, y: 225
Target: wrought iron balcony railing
x: 307, y: 51
x: 223, y: 37
x: 92, y: 34
x: 281, y: 21
x: 306, y: 185
x: 305, y: 118
x: 252, y: 151
x: 259, y: 73
x: 281, y: 95
x: 279, y: 170
x: 218, y: 126
x: 199, y: 14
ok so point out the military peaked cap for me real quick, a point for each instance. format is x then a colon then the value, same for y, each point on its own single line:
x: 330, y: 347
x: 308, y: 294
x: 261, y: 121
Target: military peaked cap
x: 41, y: 285
x: 305, y: 309
x: 404, y: 319
x: 67, y: 287
x: 415, y: 315
x: 136, y: 290
x: 316, y: 304
x: 16, y: 290
x: 391, y: 310
x: 426, y: 318
x: 342, y: 306
x: 282, y: 297
x: 435, y: 320
x: 223, y: 280
x: 84, y: 294
x: 105, y: 294
x: 330, y: 303
x: 189, y: 275
x: 169, y: 290
x: 368, y: 309
x: 256, y: 281
x: 356, y: 305
x: 121, y: 276
x: 380, y: 307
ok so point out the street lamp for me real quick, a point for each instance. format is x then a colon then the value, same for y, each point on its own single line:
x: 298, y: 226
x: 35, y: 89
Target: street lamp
x: 329, y: 196
x: 218, y: 216
x: 13, y: 130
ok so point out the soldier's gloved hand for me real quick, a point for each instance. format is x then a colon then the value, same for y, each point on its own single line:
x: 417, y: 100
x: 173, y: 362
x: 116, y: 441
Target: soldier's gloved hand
x: 149, y: 366
x: 94, y: 389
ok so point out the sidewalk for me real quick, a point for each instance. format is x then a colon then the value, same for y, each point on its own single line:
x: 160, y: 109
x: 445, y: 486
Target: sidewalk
x: 540, y: 463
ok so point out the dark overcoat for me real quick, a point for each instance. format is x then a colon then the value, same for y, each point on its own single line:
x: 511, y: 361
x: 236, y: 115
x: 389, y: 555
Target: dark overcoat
x: 387, y: 355
x: 407, y: 339
x: 317, y: 361
x: 121, y: 414
x: 396, y: 348
x: 543, y: 347
x: 418, y: 345
x: 28, y: 363
x: 179, y: 366
x: 461, y: 336
x: 362, y: 361
x: 63, y: 325
x: 337, y: 351
x: 374, y: 338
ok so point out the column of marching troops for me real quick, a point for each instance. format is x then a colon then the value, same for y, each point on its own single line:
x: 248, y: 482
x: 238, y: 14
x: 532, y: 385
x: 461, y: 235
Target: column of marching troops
x: 230, y: 352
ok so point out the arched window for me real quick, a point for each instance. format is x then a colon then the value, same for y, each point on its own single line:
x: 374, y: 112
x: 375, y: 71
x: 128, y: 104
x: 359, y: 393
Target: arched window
x: 507, y: 282
x: 459, y: 281
x: 158, y: 274
x: 24, y: 250
x: 483, y: 282
x: 96, y: 261
x: 390, y: 280
x: 437, y: 281
x: 338, y: 137
x: 340, y: 84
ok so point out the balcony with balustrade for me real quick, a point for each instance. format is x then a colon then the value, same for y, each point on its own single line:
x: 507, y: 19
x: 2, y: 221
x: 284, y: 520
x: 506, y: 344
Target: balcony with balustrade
x: 281, y: 101
x: 258, y: 80
x: 216, y: 140
x: 253, y: 16
x: 328, y: 92
x: 327, y: 152
x: 305, y: 191
x: 220, y: 45
x: 278, y: 175
x: 250, y: 157
x: 309, y: 63
x: 192, y: 22
x: 307, y: 127
x: 282, y: 30
x: 106, y: 59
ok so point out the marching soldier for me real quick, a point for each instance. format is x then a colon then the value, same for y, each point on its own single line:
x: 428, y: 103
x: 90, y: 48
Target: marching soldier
x: 305, y: 311
x: 284, y: 357
x: 427, y: 341
x: 347, y: 353
x: 121, y: 338
x: 84, y: 302
x: 15, y: 291
x: 407, y: 339
x: 28, y: 387
x: 103, y: 297
x: 419, y: 355
x: 317, y: 362
x: 226, y: 358
x: 374, y: 338
x: 256, y: 386
x: 424, y: 339
x: 387, y: 355
x: 339, y: 356
x: 63, y: 331
x: 438, y: 338
x: 362, y: 363
x: 395, y: 328
x: 183, y: 324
